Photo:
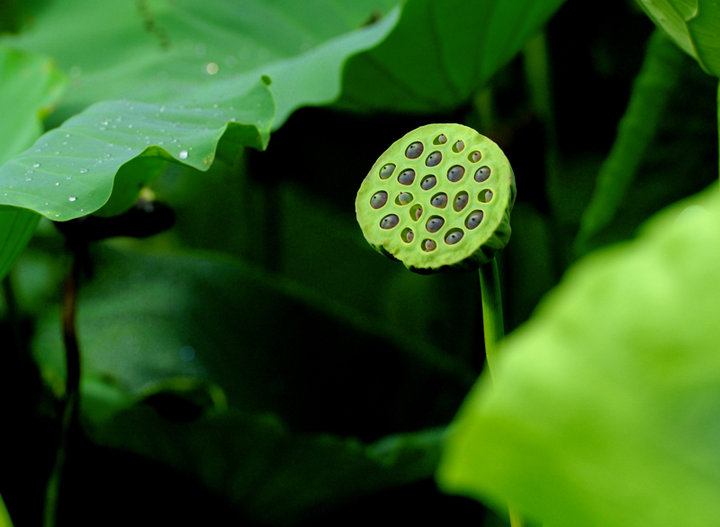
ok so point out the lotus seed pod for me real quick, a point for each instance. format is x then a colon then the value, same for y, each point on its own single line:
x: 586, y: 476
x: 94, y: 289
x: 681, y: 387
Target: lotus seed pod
x: 452, y: 193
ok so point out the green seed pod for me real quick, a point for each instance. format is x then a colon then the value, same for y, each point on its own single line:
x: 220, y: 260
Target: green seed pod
x: 446, y: 203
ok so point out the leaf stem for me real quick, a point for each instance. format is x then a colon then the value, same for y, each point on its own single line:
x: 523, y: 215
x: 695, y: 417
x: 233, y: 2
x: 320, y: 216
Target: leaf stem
x: 71, y: 403
x: 494, y: 332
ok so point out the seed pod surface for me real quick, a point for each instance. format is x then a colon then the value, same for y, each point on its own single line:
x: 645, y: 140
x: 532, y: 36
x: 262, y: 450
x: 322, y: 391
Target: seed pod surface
x: 455, y: 236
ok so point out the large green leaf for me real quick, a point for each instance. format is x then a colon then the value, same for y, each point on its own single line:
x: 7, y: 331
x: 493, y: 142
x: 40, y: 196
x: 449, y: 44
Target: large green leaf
x: 604, y: 409
x: 442, y: 52
x: 29, y: 86
x: 276, y: 476
x: 4, y: 516
x: 168, y: 81
x: 693, y: 25
x: 265, y: 343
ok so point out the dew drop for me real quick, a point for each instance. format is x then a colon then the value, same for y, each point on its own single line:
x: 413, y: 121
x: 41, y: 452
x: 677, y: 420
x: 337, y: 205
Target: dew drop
x: 71, y: 198
x: 83, y: 170
x: 183, y: 154
x: 36, y: 165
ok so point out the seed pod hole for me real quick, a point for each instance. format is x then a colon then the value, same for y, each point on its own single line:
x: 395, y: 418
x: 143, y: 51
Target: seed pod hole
x: 428, y: 182
x: 461, y: 201
x: 440, y: 140
x: 434, y: 159
x: 474, y: 219
x: 389, y: 221
x: 387, y: 170
x: 439, y: 200
x: 455, y: 173
x: 453, y: 236
x: 434, y: 224
x: 428, y: 245
x: 378, y: 199
x: 404, y: 198
x: 416, y: 212
x: 475, y: 156
x: 407, y: 235
x: 414, y: 150
x: 482, y: 173
x: 406, y: 177
x: 459, y: 146
x: 485, y: 195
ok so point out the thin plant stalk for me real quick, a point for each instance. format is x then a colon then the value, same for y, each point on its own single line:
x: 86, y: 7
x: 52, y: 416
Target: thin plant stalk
x: 71, y: 403
x: 494, y: 332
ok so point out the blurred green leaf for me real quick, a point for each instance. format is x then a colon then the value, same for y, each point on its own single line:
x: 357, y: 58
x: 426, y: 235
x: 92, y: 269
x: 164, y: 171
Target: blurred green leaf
x: 268, y: 344
x: 157, y: 51
x: 441, y: 53
x: 693, y: 25
x: 652, y: 88
x: 276, y: 476
x: 604, y: 407
x: 4, y: 516
x: 29, y: 86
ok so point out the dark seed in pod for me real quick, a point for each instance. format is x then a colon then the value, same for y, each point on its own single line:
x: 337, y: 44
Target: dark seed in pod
x: 482, y: 174
x: 434, y: 224
x: 485, y: 195
x: 455, y: 173
x: 439, y: 200
x: 461, y: 200
x: 440, y: 140
x: 406, y: 177
x: 387, y: 170
x: 378, y: 199
x: 416, y: 212
x: 433, y: 159
x: 407, y: 235
x: 403, y: 198
x: 453, y: 236
x: 414, y: 151
x: 428, y: 182
x: 458, y: 146
x: 389, y: 221
x: 474, y: 219
x: 475, y: 156
x: 428, y: 245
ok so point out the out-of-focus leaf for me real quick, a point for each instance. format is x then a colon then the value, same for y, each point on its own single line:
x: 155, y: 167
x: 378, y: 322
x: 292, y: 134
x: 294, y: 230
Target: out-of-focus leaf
x: 652, y: 88
x: 157, y: 51
x: 4, y: 516
x: 275, y: 476
x: 604, y: 408
x: 442, y: 52
x: 268, y: 344
x: 29, y: 86
x: 693, y: 25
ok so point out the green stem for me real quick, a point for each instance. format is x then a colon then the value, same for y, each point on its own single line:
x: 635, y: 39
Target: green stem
x: 494, y: 331
x: 71, y: 406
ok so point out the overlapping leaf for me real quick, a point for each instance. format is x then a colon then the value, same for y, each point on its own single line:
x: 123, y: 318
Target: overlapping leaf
x: 604, y: 408
x: 442, y: 52
x: 167, y: 82
x: 29, y: 86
